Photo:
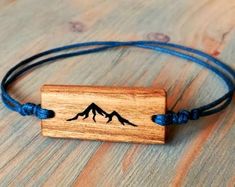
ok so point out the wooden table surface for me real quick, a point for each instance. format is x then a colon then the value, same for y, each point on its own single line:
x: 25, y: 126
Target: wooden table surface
x: 200, y: 153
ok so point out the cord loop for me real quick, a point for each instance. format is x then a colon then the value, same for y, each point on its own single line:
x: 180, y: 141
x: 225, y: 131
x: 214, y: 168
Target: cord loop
x: 226, y: 73
x: 29, y: 109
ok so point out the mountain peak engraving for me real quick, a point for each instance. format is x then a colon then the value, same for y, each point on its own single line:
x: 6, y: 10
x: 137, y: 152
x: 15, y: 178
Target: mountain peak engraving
x: 95, y: 109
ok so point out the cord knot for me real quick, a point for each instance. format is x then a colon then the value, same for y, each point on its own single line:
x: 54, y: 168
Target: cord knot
x: 195, y: 114
x: 179, y: 118
x: 28, y: 109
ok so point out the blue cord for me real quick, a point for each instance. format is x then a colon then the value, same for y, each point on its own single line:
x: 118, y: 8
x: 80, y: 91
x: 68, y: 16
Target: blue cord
x: 226, y: 73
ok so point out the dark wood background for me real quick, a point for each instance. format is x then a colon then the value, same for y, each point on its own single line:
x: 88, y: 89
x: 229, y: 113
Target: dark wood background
x: 198, y: 154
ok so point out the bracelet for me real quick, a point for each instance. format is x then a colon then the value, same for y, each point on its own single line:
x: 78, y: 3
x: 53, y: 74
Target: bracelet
x: 226, y: 73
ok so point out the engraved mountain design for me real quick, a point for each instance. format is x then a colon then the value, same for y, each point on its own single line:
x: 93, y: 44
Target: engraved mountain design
x: 97, y: 110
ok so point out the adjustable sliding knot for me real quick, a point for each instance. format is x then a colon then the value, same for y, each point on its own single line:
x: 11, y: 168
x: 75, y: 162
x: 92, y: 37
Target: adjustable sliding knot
x: 28, y: 109
x: 179, y: 118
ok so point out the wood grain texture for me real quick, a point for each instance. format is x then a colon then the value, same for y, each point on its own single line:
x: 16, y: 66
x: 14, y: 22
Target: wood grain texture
x: 198, y: 154
x: 118, y: 114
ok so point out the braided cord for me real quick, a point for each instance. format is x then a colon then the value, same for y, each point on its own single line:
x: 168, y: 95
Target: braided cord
x: 226, y: 73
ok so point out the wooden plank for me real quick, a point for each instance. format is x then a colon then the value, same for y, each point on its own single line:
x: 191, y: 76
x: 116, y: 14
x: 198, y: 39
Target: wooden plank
x: 120, y: 114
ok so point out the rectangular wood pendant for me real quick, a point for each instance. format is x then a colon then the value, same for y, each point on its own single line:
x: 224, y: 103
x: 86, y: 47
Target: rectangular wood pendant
x: 119, y: 114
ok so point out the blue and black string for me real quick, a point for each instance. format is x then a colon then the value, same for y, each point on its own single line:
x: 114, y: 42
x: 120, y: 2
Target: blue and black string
x: 226, y: 73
